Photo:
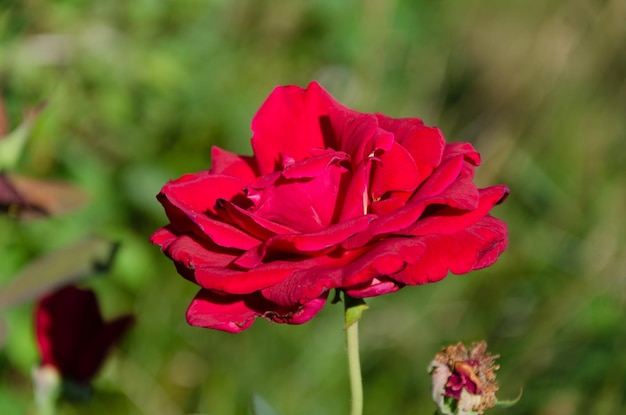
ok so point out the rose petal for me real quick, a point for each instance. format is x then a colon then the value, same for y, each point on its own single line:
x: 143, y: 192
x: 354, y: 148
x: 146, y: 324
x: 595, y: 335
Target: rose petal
x: 471, y: 157
x: 494, y: 230
x: 235, y: 313
x: 351, y: 269
x: 201, y: 225
x: 473, y: 248
x: 238, y: 280
x: 230, y: 313
x: 188, y: 200
x: 395, y: 170
x: 251, y: 223
x: 354, y: 201
x: 197, y: 193
x: 425, y: 144
x: 226, y: 163
x: 291, y: 122
x: 303, y: 313
x: 451, y: 219
x: 320, y: 240
x: 358, y: 134
x: 303, y: 204
x: 314, y: 166
x: 467, y: 150
x: 304, y: 243
x: 376, y: 287
x: 461, y: 194
x: 441, y: 179
x: 194, y: 252
x: 395, y: 201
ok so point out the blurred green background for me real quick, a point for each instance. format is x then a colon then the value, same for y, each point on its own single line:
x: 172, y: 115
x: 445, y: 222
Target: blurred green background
x: 138, y: 91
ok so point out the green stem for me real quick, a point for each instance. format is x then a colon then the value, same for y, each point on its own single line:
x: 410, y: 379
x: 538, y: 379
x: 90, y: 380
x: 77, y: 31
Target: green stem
x: 354, y: 367
x: 354, y: 308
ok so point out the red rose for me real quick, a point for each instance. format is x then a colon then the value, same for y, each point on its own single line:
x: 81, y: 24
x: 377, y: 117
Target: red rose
x: 332, y: 198
x: 71, y: 335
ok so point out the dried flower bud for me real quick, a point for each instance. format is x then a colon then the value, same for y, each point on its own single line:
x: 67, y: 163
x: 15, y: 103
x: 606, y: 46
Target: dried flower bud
x: 464, y: 381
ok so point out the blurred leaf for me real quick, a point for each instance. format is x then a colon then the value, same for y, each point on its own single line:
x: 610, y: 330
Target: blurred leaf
x: 261, y: 407
x: 12, y: 145
x: 32, y: 198
x: 9, y: 196
x: 64, y: 266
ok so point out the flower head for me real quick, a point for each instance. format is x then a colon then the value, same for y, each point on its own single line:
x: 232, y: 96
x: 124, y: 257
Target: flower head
x: 331, y: 199
x: 71, y: 334
x: 464, y: 381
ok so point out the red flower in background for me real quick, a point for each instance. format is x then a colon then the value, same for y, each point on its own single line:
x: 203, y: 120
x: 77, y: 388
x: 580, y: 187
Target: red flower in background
x: 331, y: 198
x: 71, y: 335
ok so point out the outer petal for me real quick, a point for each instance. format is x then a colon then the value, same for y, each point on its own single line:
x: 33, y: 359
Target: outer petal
x: 356, y: 269
x: 303, y: 313
x: 291, y: 121
x: 231, y: 313
x: 451, y: 220
x: 473, y: 248
x: 373, y: 288
x: 467, y: 150
x: 235, y: 313
x: 190, y: 200
x: 197, y: 193
x: 471, y: 157
x: 441, y: 178
x: 190, y: 253
x: 239, y: 280
x: 461, y: 194
x: 201, y: 225
x: 163, y: 236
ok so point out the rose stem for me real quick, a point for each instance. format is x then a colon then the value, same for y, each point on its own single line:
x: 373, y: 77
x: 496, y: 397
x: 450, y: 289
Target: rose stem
x: 353, y: 309
x: 354, y: 365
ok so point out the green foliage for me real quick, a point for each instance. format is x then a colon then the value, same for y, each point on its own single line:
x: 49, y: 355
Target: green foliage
x: 260, y: 407
x: 138, y: 91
